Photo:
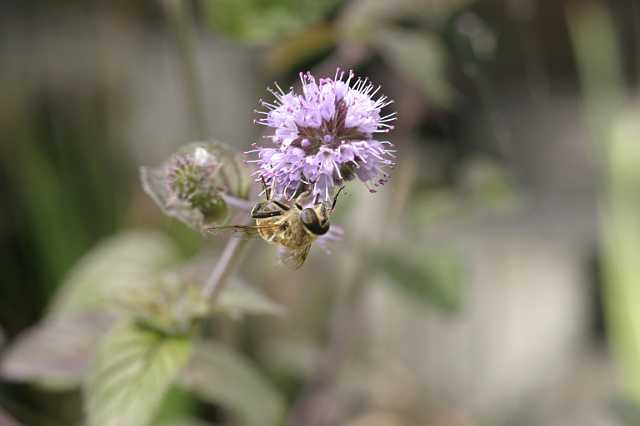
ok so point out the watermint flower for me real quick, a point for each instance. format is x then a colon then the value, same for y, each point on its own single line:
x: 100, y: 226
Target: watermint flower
x: 324, y: 137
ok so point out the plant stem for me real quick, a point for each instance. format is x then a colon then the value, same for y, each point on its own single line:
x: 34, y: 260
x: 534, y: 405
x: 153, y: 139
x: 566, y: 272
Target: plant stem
x: 231, y: 256
x: 238, y: 203
x: 180, y: 15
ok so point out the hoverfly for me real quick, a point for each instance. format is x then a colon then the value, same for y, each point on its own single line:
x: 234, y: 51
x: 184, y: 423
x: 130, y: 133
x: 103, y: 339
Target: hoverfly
x: 291, y: 226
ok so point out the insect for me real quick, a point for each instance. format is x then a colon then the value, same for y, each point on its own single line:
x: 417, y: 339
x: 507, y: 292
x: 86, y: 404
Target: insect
x: 291, y: 226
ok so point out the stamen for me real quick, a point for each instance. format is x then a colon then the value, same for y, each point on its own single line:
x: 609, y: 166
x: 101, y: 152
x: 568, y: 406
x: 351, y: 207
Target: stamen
x: 278, y: 87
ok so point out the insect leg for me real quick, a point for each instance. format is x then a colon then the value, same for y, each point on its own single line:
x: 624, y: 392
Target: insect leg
x: 335, y: 199
x: 267, y: 190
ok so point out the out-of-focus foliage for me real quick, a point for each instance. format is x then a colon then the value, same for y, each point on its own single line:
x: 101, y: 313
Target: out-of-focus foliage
x: 83, y: 309
x: 56, y: 353
x: 362, y: 19
x: 617, y: 131
x: 131, y: 279
x: 115, y: 267
x: 621, y: 229
x: 177, y: 408
x: 433, y: 276
x: 218, y: 374
x: 421, y: 57
x: 264, y: 21
x: 594, y: 38
x: 63, y: 193
x: 416, y: 52
x: 174, y: 301
x: 485, y: 183
x: 239, y: 299
x: 304, y: 47
x: 482, y: 188
x: 627, y: 411
x: 133, y: 369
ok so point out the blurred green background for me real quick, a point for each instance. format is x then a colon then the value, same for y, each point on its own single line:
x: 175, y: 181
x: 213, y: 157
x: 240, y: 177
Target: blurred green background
x: 493, y: 281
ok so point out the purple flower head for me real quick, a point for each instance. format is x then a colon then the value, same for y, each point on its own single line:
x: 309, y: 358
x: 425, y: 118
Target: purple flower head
x: 324, y: 137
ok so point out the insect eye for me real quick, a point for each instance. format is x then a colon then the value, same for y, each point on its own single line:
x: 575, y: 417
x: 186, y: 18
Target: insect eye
x: 309, y: 219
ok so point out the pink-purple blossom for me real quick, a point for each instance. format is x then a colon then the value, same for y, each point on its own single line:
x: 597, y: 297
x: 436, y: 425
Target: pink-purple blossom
x: 325, y: 136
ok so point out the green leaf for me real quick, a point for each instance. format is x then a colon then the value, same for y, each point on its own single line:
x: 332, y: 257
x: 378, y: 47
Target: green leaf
x: 621, y: 238
x: 133, y: 370
x: 188, y: 422
x: 229, y: 178
x: 421, y: 57
x: 311, y: 43
x: 123, y: 262
x: 264, y: 21
x: 363, y: 18
x: 177, y: 405
x: 297, y: 356
x: 56, y: 352
x: 240, y: 299
x: 600, y: 65
x: 222, y: 376
x: 430, y: 276
x: 175, y: 300
x: 626, y: 411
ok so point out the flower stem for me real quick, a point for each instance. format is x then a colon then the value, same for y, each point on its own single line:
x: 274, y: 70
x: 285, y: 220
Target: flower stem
x: 238, y: 203
x: 231, y: 256
x: 180, y: 16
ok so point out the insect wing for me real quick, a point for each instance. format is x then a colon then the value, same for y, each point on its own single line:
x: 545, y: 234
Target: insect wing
x: 240, y: 231
x: 294, y: 258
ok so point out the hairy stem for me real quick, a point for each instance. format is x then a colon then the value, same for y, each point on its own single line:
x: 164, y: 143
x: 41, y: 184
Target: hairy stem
x: 231, y: 256
x: 238, y: 203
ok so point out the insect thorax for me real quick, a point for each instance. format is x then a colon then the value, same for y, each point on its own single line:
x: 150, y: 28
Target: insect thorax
x: 289, y: 232
x: 267, y: 209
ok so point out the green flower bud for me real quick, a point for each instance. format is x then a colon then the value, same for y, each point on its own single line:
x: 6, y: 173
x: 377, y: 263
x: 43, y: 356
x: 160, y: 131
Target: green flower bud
x: 191, y: 184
